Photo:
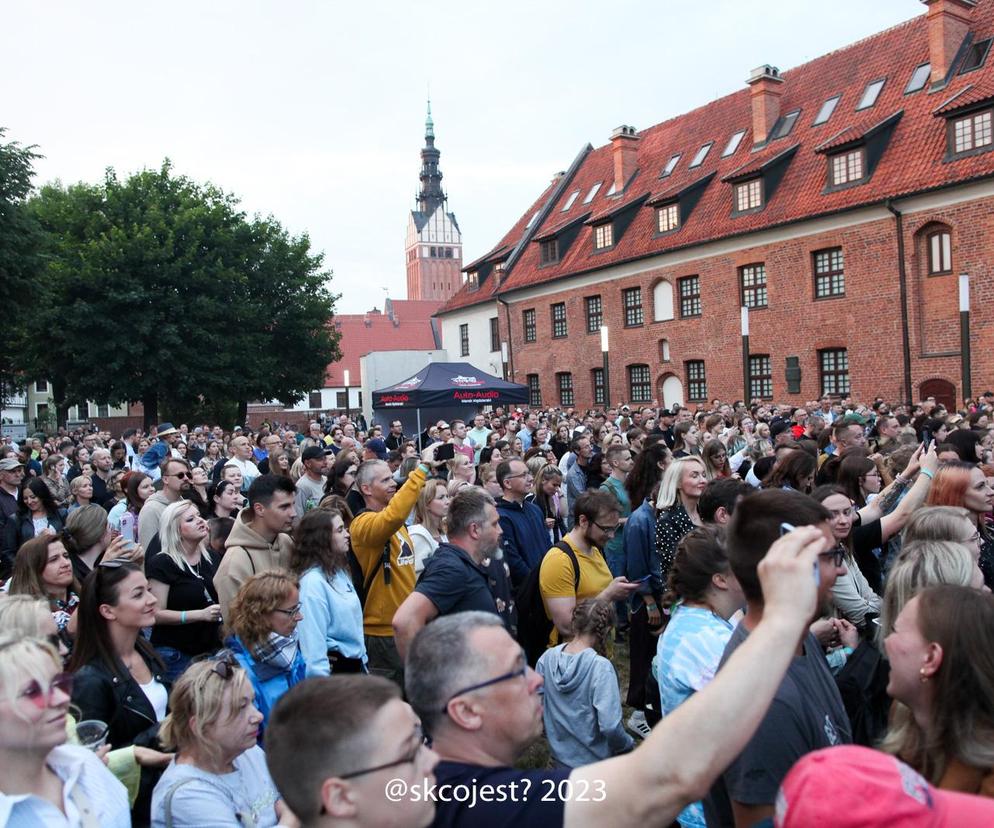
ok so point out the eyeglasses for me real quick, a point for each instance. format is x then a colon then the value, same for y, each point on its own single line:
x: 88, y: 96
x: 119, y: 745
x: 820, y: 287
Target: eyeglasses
x: 974, y: 538
x: 43, y: 698
x: 607, y: 530
x: 422, y: 741
x: 525, y: 475
x: 838, y: 555
x: 289, y: 613
x: 505, y: 677
x: 182, y: 475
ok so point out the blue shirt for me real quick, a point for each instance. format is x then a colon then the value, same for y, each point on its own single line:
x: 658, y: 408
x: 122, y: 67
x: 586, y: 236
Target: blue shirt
x: 332, y: 619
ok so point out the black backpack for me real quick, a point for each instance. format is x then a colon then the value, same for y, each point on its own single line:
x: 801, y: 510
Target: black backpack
x: 534, y: 626
x: 359, y: 582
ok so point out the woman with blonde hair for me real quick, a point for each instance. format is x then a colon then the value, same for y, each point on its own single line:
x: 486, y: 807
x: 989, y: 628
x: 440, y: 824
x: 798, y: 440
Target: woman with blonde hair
x: 428, y: 529
x: 263, y: 636
x: 219, y: 776
x: 547, y: 495
x: 460, y: 468
x: 680, y: 490
x: 80, y: 492
x: 965, y: 485
x: 181, y: 576
x: 89, y: 539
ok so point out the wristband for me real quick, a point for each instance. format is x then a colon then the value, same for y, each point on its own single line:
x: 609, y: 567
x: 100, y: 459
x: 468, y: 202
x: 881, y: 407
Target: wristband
x: 928, y: 474
x: 424, y: 468
x: 848, y: 651
x: 182, y: 617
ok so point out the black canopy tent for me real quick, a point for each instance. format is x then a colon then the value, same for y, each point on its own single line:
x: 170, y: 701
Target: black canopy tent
x: 447, y: 387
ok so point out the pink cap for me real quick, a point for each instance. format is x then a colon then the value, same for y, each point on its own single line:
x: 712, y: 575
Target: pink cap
x: 855, y: 786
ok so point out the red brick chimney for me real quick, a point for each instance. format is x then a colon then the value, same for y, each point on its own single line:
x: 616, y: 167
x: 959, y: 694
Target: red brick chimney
x: 948, y: 23
x: 765, y: 92
x: 624, y: 148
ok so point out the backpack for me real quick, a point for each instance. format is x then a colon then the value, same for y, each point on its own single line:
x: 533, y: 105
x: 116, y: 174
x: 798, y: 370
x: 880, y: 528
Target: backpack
x: 362, y: 584
x: 534, y: 626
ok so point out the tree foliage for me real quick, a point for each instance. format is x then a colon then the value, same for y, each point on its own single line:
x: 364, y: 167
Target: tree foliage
x: 160, y: 289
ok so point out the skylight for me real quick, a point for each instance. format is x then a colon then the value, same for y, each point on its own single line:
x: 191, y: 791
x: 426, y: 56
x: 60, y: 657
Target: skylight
x: 532, y: 220
x: 870, y: 94
x: 592, y: 193
x: 671, y: 165
x: 918, y: 78
x: 611, y: 191
x: 569, y: 201
x: 702, y: 153
x: 733, y: 143
x: 976, y: 56
x: 826, y: 110
x: 785, y: 125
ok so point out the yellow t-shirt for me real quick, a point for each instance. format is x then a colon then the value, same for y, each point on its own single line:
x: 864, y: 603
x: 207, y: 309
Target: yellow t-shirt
x: 556, y: 577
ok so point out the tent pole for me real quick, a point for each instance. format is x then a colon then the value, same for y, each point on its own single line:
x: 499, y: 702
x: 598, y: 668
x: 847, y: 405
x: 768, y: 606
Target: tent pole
x: 419, y: 427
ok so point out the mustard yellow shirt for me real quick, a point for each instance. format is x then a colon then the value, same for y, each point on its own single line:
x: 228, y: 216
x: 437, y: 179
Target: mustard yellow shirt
x: 555, y: 578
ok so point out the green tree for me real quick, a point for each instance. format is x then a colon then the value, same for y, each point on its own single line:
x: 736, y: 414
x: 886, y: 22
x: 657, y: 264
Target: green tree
x: 167, y: 294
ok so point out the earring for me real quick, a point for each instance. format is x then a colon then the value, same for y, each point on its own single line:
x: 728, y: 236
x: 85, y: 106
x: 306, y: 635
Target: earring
x: 921, y: 673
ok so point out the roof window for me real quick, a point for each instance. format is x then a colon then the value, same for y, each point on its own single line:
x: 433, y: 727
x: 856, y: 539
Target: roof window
x: 976, y: 56
x: 919, y: 78
x: 592, y: 193
x: 612, y: 190
x: 573, y: 196
x: 733, y: 143
x: 785, y: 125
x: 532, y: 220
x: 826, y: 110
x: 671, y: 165
x: 702, y: 153
x: 870, y: 94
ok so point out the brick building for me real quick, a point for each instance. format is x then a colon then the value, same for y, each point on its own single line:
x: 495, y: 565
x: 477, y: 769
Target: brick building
x: 839, y: 201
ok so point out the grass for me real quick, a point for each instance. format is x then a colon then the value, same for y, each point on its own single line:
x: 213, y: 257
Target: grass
x: 538, y: 755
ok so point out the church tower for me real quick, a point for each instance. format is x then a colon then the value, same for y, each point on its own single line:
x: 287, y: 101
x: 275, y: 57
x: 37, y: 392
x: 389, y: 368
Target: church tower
x: 434, y: 243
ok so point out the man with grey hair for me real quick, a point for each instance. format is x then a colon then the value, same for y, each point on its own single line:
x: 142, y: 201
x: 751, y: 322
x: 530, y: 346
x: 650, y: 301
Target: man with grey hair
x: 456, y: 577
x: 469, y: 682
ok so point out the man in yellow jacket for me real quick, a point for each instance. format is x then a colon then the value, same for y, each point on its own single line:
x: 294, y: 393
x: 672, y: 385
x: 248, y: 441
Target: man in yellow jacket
x: 385, y: 553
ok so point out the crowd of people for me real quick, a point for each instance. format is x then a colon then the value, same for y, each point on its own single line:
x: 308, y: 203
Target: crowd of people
x: 345, y: 624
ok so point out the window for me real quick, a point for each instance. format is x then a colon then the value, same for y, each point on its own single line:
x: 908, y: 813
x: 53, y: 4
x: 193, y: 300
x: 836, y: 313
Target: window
x: 785, y: 125
x: 733, y: 143
x: 603, y: 236
x: 697, y: 384
x: 830, y: 278
x: 749, y: 195
x: 976, y: 56
x: 473, y: 280
x: 972, y: 132
x: 314, y: 399
x: 594, y: 312
x: 826, y: 110
x: 534, y: 391
x: 940, y: 253
x: 834, y: 371
x: 573, y: 196
x: 846, y: 167
x: 918, y: 78
x: 41, y: 387
x: 532, y: 220
x: 103, y: 410
x: 592, y: 193
x: 662, y: 301
x: 550, y: 251
x: 559, y: 320
x: 464, y: 340
x: 528, y: 322
x: 639, y: 383
x: 341, y: 399
x: 760, y: 377
x: 664, y: 350
x: 870, y: 94
x: 565, y: 383
x: 690, y: 295
x: 494, y: 334
x: 434, y: 252
x: 668, y: 218
x: 702, y: 153
x: 670, y: 166
x: 631, y: 301
x: 753, y: 281
x: 597, y: 382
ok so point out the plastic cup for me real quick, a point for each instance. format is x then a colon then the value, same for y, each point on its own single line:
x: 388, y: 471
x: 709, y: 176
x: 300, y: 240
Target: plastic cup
x: 92, y: 734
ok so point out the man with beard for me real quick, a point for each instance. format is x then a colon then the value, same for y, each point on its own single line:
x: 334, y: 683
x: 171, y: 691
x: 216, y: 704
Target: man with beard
x: 459, y: 576
x: 807, y: 713
x: 176, y: 480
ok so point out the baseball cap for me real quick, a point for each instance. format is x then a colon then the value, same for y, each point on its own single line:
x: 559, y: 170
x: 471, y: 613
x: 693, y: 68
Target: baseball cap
x: 378, y: 447
x: 855, y: 786
x: 778, y: 427
x: 313, y: 453
x: 10, y: 463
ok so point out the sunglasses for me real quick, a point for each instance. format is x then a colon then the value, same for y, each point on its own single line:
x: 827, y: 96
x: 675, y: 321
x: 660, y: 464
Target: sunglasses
x: 42, y: 698
x: 182, y: 475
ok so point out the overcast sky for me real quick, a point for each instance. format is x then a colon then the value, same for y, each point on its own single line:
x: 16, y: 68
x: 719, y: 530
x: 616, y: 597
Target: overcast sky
x: 314, y: 111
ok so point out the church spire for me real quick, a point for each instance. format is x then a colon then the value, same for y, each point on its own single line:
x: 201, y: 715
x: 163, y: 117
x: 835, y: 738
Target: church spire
x: 431, y: 196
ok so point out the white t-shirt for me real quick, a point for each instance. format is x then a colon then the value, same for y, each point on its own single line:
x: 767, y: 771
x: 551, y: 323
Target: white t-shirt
x: 157, y: 696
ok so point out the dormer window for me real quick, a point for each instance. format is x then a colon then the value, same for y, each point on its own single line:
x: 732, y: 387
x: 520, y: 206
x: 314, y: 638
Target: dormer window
x: 473, y: 280
x: 702, y: 153
x: 870, y: 94
x: 670, y: 166
x: 749, y: 195
x: 668, y: 218
x: 550, y: 251
x: 972, y: 132
x: 846, y: 167
x: 603, y: 236
x: 573, y: 196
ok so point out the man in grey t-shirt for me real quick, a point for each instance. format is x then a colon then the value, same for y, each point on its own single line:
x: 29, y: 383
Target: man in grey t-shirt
x: 310, y: 487
x: 807, y: 712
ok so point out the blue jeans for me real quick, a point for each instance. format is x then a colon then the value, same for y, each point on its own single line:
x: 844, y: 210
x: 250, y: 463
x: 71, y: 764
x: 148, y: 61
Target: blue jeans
x: 175, y: 661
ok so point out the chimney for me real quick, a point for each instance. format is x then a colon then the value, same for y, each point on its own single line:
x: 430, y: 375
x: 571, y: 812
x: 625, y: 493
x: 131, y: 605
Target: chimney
x: 624, y: 148
x: 766, y: 90
x: 558, y: 176
x: 948, y: 24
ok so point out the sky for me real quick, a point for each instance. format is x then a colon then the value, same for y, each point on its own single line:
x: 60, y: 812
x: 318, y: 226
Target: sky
x: 313, y: 112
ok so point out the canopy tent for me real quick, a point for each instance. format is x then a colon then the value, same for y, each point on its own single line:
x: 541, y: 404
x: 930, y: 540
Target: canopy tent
x: 448, y: 386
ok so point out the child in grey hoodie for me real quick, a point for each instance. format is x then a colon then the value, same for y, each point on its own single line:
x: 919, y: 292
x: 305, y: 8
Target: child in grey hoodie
x: 582, y: 701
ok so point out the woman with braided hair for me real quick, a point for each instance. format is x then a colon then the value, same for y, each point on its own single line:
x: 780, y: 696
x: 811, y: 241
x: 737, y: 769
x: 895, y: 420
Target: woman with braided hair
x: 582, y: 702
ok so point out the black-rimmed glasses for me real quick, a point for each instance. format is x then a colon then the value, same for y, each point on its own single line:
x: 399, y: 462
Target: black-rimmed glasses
x: 607, y: 530
x: 422, y: 741
x: 184, y: 475
x: 505, y: 677
x: 291, y: 612
x: 838, y: 555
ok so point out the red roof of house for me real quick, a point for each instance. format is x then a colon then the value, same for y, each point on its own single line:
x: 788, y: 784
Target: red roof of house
x: 912, y: 162
x: 980, y: 89
x: 408, y: 329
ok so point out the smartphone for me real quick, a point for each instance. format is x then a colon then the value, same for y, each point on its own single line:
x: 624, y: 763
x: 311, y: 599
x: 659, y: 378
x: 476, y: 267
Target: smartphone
x: 786, y: 528
x: 643, y: 579
x: 446, y: 451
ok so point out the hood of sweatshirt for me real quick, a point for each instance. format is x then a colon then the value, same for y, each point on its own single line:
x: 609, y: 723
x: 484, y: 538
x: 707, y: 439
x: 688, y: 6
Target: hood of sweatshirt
x: 244, y: 535
x: 568, y: 671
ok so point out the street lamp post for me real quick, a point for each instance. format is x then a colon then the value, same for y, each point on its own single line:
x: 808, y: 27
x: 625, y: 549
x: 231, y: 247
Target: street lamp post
x: 607, y: 376
x: 964, y: 333
x: 347, y: 412
x: 745, y: 354
x: 503, y: 358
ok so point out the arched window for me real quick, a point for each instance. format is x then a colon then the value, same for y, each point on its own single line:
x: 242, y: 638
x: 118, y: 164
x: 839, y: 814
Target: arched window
x: 662, y: 301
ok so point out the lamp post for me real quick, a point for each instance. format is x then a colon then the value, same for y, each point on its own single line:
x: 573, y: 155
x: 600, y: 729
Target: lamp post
x: 503, y: 358
x: 745, y: 353
x: 964, y: 333
x: 607, y: 379
x: 347, y: 412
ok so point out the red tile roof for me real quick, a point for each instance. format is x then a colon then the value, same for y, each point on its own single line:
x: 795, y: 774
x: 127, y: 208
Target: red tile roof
x: 762, y: 159
x: 911, y: 163
x: 857, y: 132
x: 978, y: 91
